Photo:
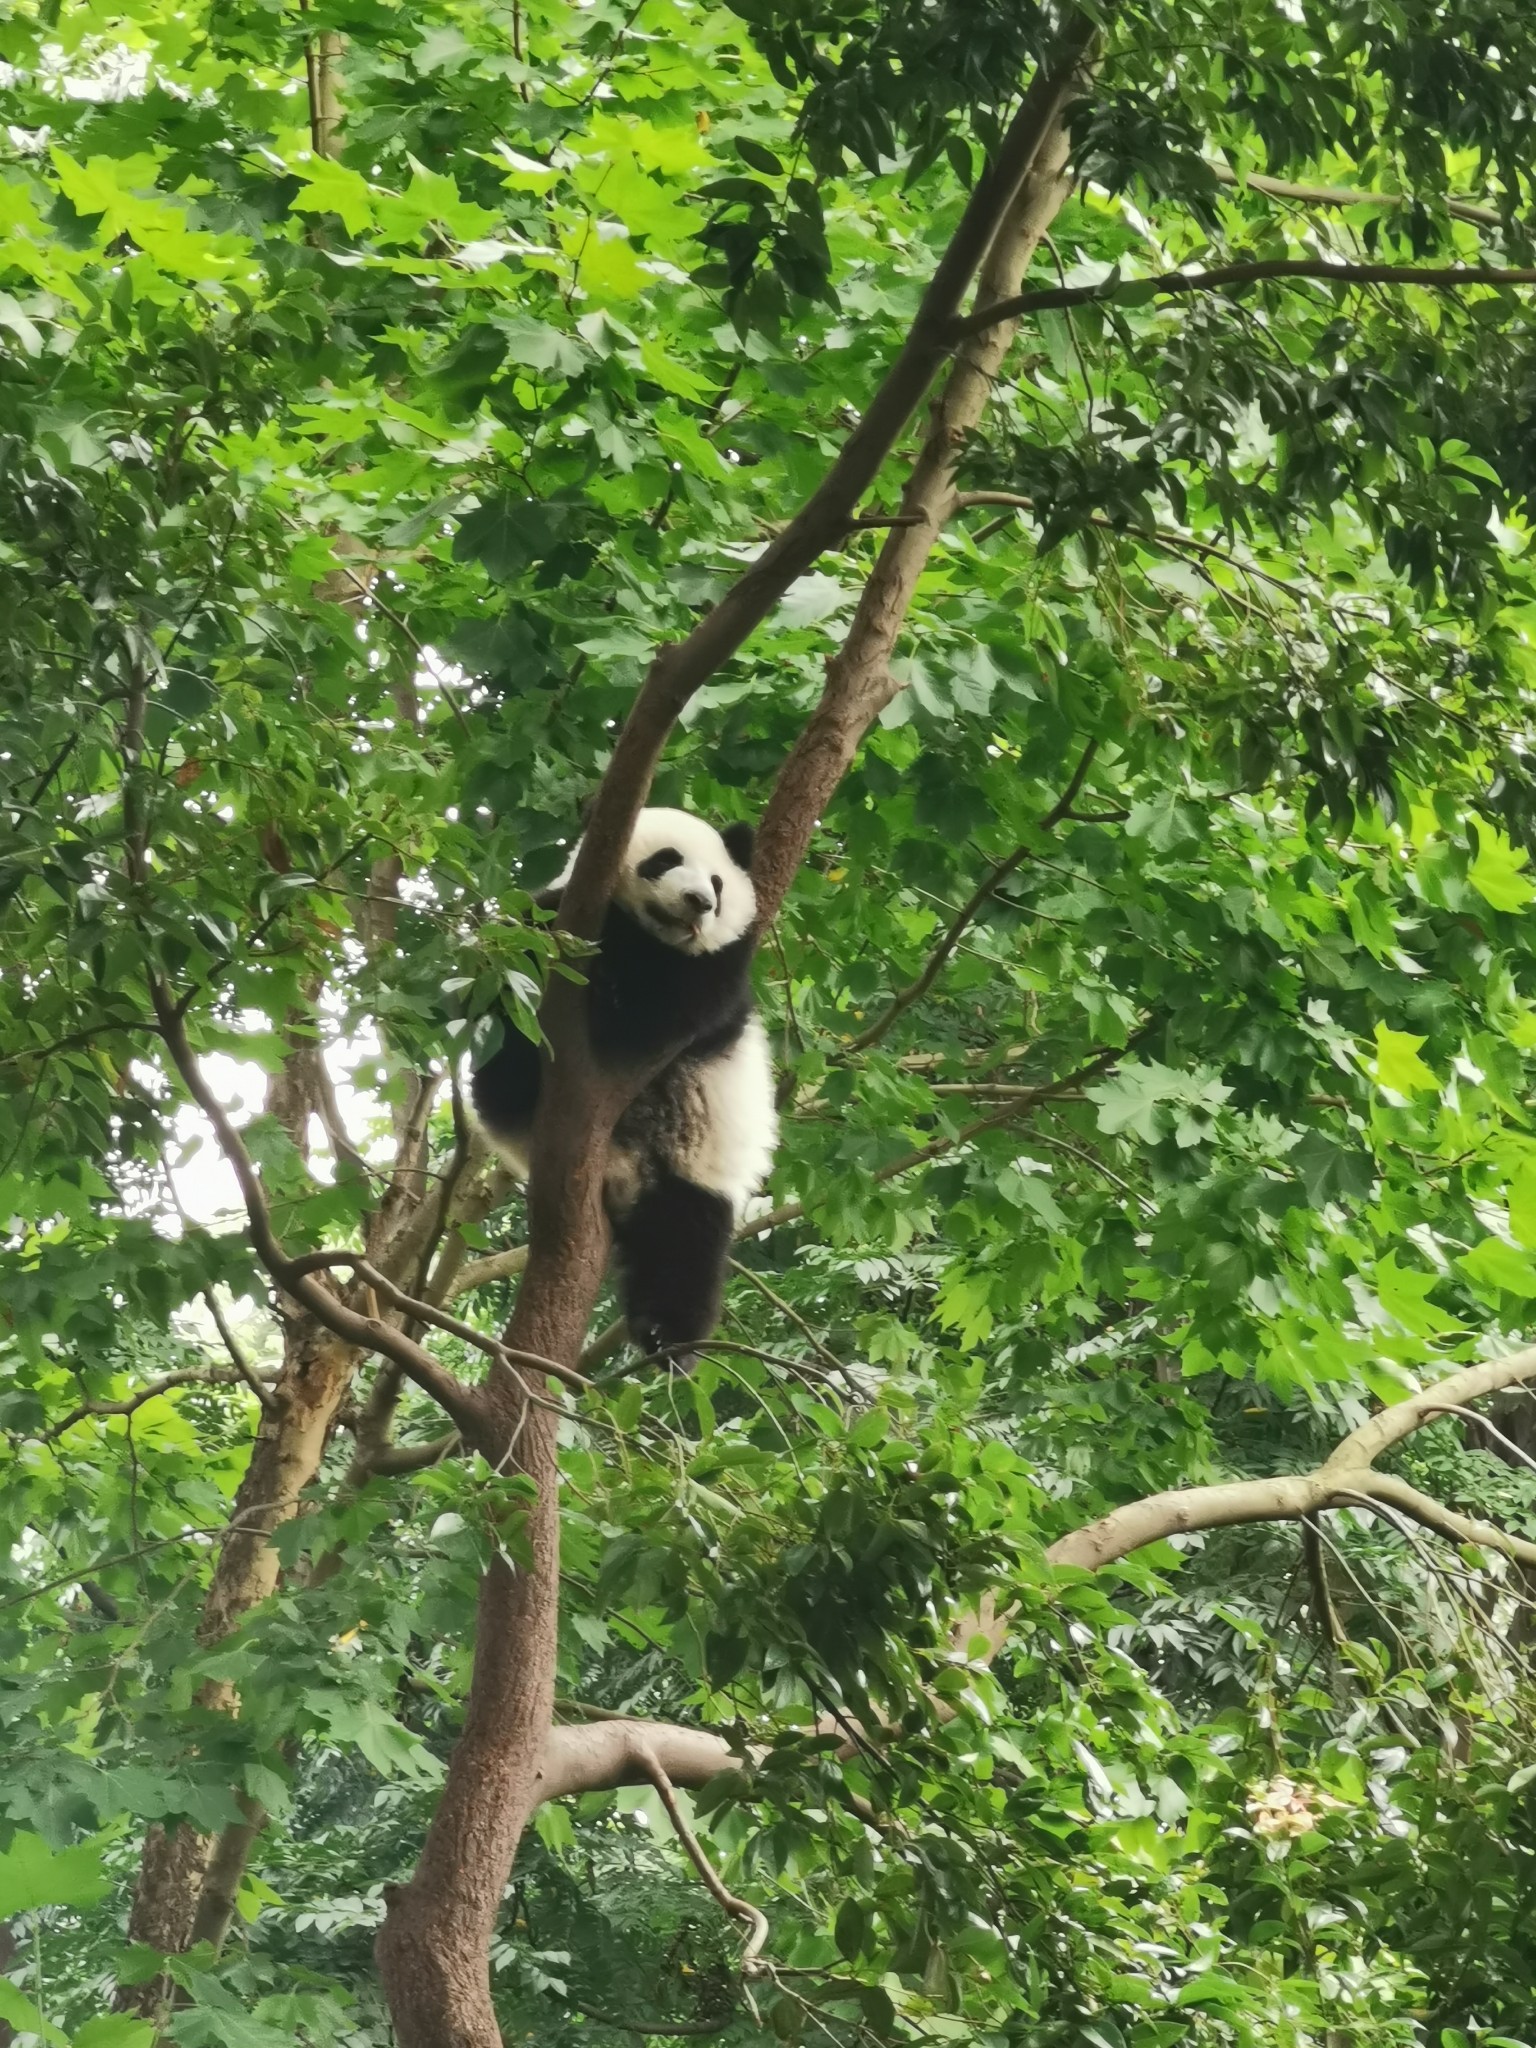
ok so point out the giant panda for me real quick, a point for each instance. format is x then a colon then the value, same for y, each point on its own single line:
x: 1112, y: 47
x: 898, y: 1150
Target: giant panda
x: 672, y: 968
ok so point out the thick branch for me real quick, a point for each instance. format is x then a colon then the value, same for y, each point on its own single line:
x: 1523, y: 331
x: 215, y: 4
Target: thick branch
x: 1433, y: 1514
x: 1346, y: 1477
x: 859, y: 681
x: 1229, y: 277
x: 482, y: 1272
x: 1365, y: 1445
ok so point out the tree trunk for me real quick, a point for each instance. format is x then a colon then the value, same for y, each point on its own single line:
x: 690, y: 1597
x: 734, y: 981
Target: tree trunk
x: 432, y: 1950
x: 290, y: 1442
x: 433, y: 1946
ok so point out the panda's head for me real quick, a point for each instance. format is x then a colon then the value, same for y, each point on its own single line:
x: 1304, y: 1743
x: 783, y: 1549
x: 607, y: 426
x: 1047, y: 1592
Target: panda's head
x: 686, y: 883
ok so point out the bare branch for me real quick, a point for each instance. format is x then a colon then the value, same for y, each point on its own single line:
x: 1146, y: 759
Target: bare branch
x: 1345, y: 1477
x: 390, y: 1460
x: 1231, y: 276
x: 727, y: 1900
x: 483, y: 1272
x: 859, y: 681
x: 1433, y: 1514
x: 646, y: 2026
x: 1344, y: 195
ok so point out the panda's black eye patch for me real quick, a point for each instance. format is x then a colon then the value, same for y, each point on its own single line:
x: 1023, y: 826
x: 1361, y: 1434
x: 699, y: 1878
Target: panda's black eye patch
x: 656, y: 864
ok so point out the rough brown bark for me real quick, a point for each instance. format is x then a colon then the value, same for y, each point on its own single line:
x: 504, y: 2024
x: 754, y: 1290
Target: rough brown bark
x: 859, y: 681
x: 433, y: 1948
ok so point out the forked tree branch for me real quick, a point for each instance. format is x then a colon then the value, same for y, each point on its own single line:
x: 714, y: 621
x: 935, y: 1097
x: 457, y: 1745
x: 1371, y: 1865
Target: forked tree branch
x: 433, y: 1948
x: 681, y: 670
x: 297, y: 1277
x: 600, y: 1755
x: 1346, y: 1477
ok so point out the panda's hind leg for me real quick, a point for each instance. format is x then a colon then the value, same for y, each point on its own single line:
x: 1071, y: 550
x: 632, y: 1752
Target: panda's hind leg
x: 672, y: 1244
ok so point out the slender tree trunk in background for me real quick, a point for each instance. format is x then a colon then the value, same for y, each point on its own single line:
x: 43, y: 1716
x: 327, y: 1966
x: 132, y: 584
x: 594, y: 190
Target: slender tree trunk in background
x: 290, y: 1441
x: 433, y: 1949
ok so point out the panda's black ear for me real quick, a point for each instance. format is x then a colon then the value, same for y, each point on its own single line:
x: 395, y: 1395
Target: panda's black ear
x: 738, y: 844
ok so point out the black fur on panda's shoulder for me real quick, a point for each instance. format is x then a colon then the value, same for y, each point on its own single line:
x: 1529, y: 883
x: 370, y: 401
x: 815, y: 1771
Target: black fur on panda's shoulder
x: 645, y: 996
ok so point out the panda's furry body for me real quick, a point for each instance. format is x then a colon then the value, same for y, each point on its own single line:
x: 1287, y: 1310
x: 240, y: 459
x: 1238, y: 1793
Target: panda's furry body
x: 672, y: 969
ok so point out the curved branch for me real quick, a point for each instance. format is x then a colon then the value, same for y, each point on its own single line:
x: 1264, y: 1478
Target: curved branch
x: 727, y: 1900
x: 680, y: 670
x: 460, y: 1402
x: 482, y: 1272
x: 1365, y: 1445
x: 191, y: 1376
x: 409, y: 1305
x: 1433, y: 1514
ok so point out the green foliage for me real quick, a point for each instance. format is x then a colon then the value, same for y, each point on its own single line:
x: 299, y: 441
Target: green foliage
x: 378, y: 480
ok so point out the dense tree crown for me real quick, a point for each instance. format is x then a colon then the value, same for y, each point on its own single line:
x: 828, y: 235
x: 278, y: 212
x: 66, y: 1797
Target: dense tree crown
x: 1154, y: 1014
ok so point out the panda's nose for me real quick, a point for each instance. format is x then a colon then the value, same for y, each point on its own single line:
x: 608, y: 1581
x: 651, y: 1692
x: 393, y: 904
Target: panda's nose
x: 696, y: 902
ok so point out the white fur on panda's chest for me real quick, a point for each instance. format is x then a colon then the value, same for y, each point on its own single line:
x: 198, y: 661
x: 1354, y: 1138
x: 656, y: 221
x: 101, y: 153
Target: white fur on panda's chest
x: 739, y: 1128
x: 711, y: 1122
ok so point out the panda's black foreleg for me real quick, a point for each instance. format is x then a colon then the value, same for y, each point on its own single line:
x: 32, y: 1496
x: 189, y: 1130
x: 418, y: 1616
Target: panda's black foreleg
x: 672, y: 1245
x: 505, y: 1091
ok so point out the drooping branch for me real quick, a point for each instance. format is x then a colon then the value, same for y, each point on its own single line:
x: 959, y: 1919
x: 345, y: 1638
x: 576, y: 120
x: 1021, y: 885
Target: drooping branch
x: 1224, y: 277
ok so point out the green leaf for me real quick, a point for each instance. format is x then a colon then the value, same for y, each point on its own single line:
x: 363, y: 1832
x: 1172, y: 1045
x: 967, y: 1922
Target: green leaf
x: 1498, y: 1268
x: 32, y: 1875
x: 1398, y: 1065
x: 1497, y: 872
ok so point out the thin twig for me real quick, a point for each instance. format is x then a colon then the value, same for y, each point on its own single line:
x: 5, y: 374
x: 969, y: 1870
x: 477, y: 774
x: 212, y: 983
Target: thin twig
x: 242, y: 1364
x: 986, y: 888
x: 739, y: 1909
